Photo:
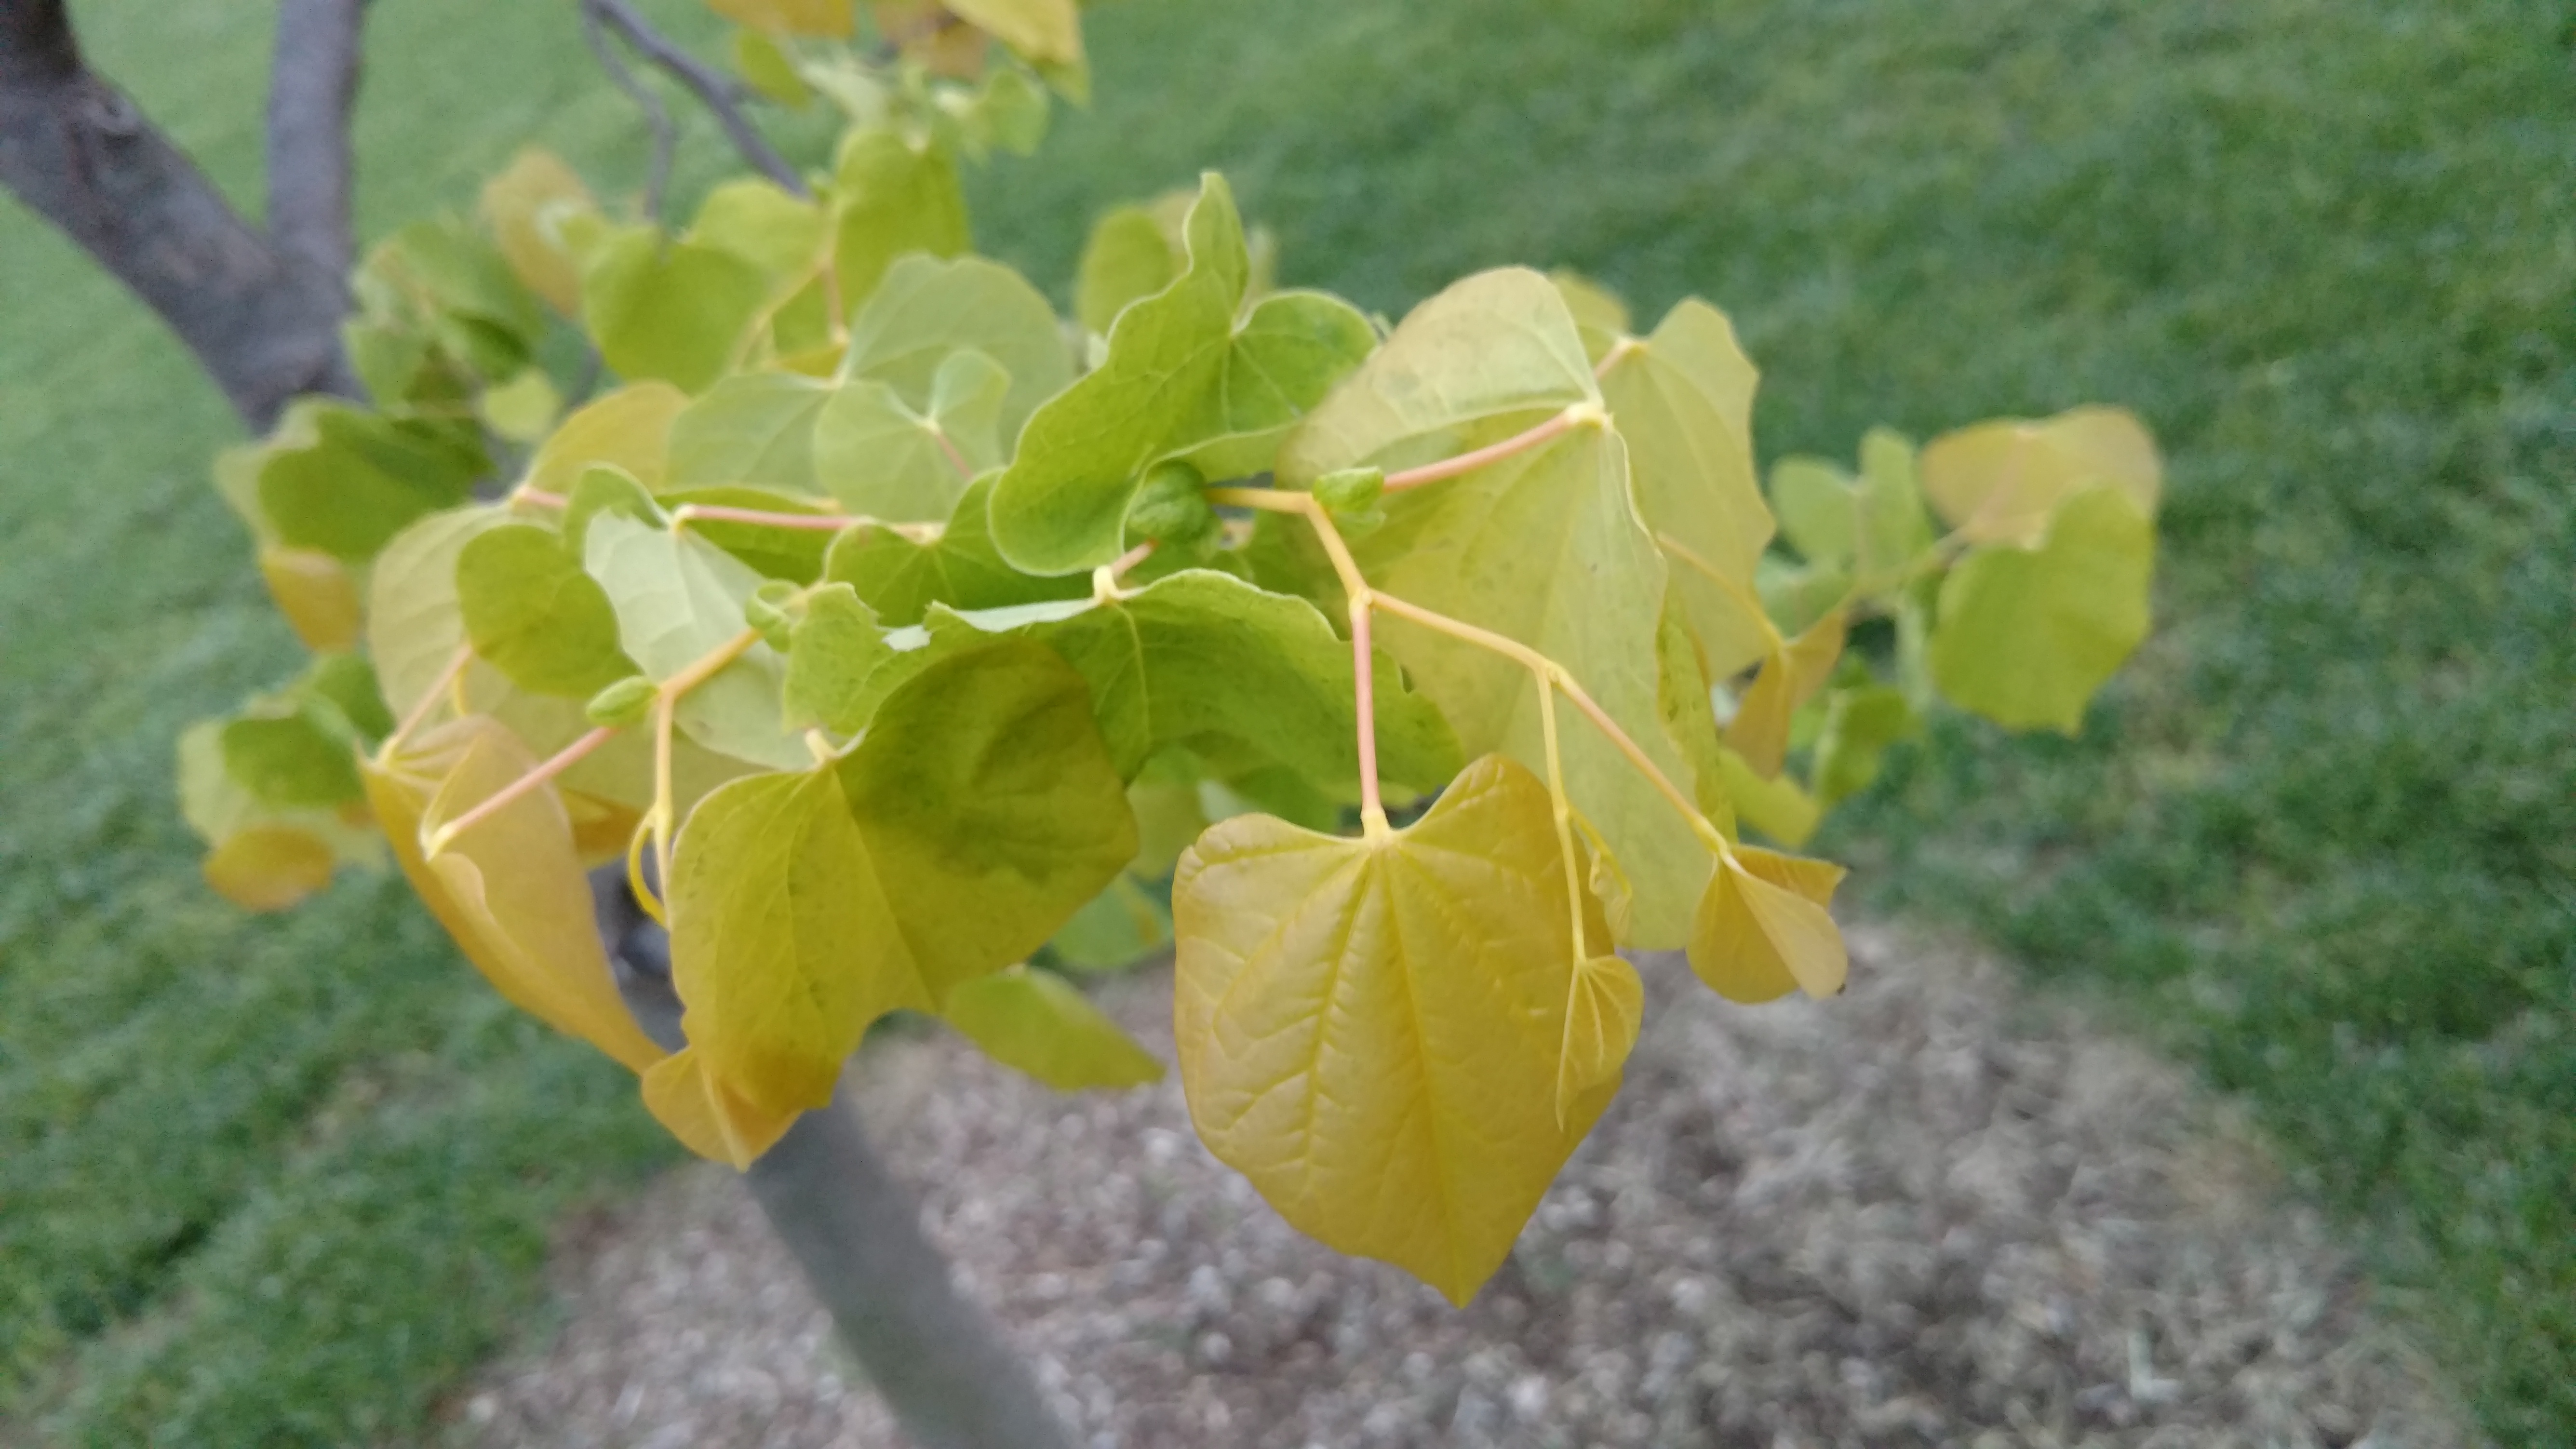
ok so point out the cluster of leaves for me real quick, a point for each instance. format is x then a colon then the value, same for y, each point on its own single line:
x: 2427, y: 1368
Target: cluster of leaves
x: 896, y: 631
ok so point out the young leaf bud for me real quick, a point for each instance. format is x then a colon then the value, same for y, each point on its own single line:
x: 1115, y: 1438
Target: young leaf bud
x: 766, y: 611
x: 1171, y: 506
x: 627, y: 702
x: 1360, y: 523
x: 1350, y: 490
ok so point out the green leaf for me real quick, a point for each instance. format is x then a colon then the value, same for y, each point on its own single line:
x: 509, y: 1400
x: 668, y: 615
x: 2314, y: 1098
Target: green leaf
x: 669, y: 311
x: 766, y: 69
x: 1207, y: 662
x: 901, y: 579
x: 1127, y: 258
x: 1373, y: 1030
x: 1871, y: 529
x: 1763, y: 931
x: 2000, y: 482
x: 1777, y: 807
x: 1860, y: 724
x: 363, y: 477
x: 2026, y: 635
x: 1497, y: 348
x: 927, y: 310
x: 990, y: 811
x: 291, y: 756
x: 1683, y: 399
x: 1034, y: 1021
x: 753, y: 430
x: 1120, y: 927
x: 776, y: 925
x: 526, y: 205
x: 794, y: 555
x: 347, y: 683
x: 1545, y: 548
x: 535, y: 616
x: 892, y: 197
x: 679, y: 599
x: 883, y: 460
x: 606, y: 488
x: 831, y: 652
x: 1180, y: 373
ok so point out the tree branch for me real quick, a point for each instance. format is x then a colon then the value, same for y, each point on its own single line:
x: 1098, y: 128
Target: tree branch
x: 262, y: 322
x: 657, y: 117
x: 713, y: 90
x: 312, y: 90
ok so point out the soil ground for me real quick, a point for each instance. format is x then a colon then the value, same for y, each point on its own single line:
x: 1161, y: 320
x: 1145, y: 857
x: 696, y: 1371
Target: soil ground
x: 1926, y: 1213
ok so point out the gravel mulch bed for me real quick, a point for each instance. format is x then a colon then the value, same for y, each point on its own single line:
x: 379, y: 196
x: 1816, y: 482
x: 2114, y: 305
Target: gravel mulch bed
x: 1924, y: 1214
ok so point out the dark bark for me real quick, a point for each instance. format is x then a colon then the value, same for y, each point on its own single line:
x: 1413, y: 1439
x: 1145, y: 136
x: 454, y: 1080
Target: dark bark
x: 312, y: 92
x: 938, y: 1361
x: 264, y: 323
x: 720, y: 96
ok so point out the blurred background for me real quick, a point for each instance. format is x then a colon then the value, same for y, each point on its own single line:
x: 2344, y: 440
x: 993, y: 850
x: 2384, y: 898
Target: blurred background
x: 289, y: 1180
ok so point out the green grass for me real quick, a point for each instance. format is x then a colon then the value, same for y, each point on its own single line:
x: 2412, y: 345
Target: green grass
x: 2321, y: 838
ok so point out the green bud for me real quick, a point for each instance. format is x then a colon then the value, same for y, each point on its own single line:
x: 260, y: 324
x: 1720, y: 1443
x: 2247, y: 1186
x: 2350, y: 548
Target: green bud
x: 766, y: 611
x: 1171, y: 505
x: 1360, y: 524
x: 627, y: 702
x: 1350, y: 490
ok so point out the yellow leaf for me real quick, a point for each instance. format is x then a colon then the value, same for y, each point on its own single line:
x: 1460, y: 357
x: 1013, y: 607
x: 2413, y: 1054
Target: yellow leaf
x: 526, y: 205
x: 1044, y: 32
x: 511, y: 891
x: 1998, y: 482
x: 1789, y: 678
x: 269, y: 867
x: 601, y: 829
x: 630, y: 428
x: 1601, y: 1021
x: 316, y: 593
x: 831, y: 18
x: 709, y: 1118
x: 1372, y: 1030
x: 930, y: 35
x: 1034, y: 1021
x: 1763, y: 930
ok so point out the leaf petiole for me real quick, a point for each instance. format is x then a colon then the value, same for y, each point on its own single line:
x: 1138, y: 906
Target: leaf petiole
x: 428, y: 705
x: 1520, y: 442
x: 501, y: 799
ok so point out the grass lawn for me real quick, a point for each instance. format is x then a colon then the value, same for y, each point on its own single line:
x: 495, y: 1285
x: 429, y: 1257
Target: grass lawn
x: 273, y: 1181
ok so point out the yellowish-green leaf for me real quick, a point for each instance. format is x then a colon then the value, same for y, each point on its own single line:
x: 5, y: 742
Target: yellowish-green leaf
x: 511, y: 890
x: 364, y: 477
x: 317, y: 593
x: 526, y: 206
x: 1602, y: 1015
x: 710, y: 1118
x: 775, y: 924
x: 1777, y: 807
x: 901, y: 579
x: 928, y: 309
x: 1683, y: 399
x: 1792, y: 674
x: 1763, y: 930
x: 1372, y: 1030
x: 629, y: 429
x: 1545, y: 547
x: 892, y: 197
x: 1999, y: 482
x: 765, y: 68
x: 756, y: 220
x: 833, y: 650
x: 1036, y: 1022
x: 884, y: 460
x: 1599, y: 313
x: 1860, y: 724
x: 270, y: 867
x: 1044, y: 32
x: 831, y: 19
x: 2027, y: 634
x: 669, y: 311
x: 679, y: 600
x: 1128, y: 257
x: 1498, y: 346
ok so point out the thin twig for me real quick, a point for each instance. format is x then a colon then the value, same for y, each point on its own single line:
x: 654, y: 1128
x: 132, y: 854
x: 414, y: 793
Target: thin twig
x: 666, y: 137
x: 712, y: 89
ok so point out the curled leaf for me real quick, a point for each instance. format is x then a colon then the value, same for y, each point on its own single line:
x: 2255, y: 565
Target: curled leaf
x: 1763, y: 930
x: 1034, y: 1021
x: 269, y: 867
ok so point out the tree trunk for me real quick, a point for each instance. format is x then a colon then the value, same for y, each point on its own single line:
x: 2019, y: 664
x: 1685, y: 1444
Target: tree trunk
x: 938, y: 1362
